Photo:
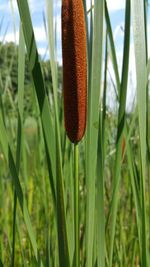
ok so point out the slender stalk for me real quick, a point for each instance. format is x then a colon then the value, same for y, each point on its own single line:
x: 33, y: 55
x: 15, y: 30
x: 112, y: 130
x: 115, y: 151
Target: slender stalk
x: 76, y: 205
x: 14, y: 229
x: 21, y: 70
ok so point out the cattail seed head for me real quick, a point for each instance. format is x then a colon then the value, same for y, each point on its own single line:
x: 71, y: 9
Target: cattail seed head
x: 74, y: 68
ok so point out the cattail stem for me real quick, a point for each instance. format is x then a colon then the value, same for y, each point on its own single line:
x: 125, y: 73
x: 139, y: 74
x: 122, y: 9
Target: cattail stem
x: 14, y: 229
x: 76, y: 206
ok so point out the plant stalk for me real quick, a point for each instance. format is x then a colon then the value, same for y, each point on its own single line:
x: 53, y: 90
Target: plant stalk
x: 76, y: 205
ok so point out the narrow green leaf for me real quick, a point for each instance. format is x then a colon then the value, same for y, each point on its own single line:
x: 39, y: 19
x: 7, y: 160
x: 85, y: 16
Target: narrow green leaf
x: 120, y: 130
x: 112, y: 47
x: 9, y: 157
x: 92, y: 126
x: 139, y: 32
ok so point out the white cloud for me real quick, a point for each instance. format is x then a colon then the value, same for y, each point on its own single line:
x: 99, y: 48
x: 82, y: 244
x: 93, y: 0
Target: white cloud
x: 112, y: 5
x: 42, y: 51
x: 88, y: 4
x: 40, y: 35
x: 119, y: 31
x: 10, y: 37
x: 14, y: 4
x: 131, y: 89
x: 115, y: 5
x: 35, y: 6
x: 58, y: 19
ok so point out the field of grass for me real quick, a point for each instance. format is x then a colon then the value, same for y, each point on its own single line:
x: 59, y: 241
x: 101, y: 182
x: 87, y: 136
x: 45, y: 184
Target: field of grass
x: 37, y: 176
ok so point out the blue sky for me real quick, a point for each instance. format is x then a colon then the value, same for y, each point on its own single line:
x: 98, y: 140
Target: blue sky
x: 38, y: 8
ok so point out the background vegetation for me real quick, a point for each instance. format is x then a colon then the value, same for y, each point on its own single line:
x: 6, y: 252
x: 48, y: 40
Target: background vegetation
x: 36, y: 158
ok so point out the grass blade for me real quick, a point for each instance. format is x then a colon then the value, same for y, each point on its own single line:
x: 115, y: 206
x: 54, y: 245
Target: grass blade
x: 139, y: 32
x: 121, y: 124
x: 112, y: 47
x: 92, y: 125
x: 9, y: 157
x: 52, y: 143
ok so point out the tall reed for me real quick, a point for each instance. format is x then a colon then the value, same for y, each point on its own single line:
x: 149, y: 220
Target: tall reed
x: 75, y: 89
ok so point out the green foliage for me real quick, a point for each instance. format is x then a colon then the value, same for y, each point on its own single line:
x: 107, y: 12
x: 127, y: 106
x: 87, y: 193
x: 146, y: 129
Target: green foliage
x: 9, y: 66
x: 38, y: 218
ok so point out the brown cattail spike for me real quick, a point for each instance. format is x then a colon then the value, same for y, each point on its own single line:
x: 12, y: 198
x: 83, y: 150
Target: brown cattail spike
x: 74, y: 68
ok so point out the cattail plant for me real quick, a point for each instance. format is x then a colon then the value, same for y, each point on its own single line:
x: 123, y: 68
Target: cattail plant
x: 74, y: 68
x: 75, y: 89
